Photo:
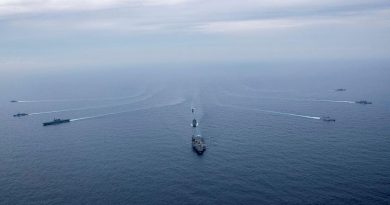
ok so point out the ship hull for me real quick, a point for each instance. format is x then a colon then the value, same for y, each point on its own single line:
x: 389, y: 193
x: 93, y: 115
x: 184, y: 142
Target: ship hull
x: 198, y: 145
x: 55, y: 122
x: 198, y: 151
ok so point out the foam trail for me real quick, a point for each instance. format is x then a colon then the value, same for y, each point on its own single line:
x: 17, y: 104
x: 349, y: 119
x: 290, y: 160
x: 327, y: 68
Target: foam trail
x: 318, y: 100
x: 273, y: 112
x: 295, y: 99
x: 76, y: 100
x: 291, y: 114
x: 83, y: 99
x: 196, y: 103
x: 179, y: 101
x: 336, y: 101
x: 90, y: 108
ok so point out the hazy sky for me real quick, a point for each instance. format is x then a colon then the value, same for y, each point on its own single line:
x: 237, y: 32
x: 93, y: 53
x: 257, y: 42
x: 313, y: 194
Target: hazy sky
x: 47, y: 33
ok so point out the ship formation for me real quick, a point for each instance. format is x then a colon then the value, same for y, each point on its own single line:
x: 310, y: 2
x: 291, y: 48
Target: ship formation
x: 197, y: 141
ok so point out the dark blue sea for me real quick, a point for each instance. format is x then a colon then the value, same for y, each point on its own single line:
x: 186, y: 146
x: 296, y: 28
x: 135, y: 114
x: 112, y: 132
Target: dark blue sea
x: 129, y: 139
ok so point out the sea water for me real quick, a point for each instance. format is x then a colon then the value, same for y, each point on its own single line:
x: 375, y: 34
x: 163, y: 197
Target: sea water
x: 129, y: 139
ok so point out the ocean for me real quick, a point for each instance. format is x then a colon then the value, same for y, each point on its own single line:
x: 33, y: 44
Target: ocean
x: 129, y: 139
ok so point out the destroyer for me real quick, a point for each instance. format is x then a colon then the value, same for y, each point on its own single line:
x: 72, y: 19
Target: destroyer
x: 328, y: 119
x: 20, y: 114
x: 14, y: 101
x: 363, y: 102
x: 194, y: 123
x: 341, y: 89
x: 56, y: 122
x: 198, y: 144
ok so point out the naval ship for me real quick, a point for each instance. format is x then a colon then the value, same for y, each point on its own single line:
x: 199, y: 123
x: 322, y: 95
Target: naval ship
x: 328, y: 119
x: 194, y: 123
x: 198, y: 144
x: 364, y: 102
x: 340, y: 89
x: 56, y: 122
x: 20, y: 114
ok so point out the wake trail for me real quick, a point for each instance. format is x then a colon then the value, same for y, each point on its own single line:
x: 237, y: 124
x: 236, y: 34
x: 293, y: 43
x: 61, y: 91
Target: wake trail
x: 92, y: 107
x: 336, y: 101
x: 273, y: 112
x: 82, y: 99
x: 179, y: 101
x: 295, y: 99
x: 197, y: 104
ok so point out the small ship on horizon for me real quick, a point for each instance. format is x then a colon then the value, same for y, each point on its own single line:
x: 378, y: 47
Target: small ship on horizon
x: 363, y: 102
x: 56, y: 122
x: 194, y: 123
x: 20, y: 114
x: 328, y: 119
x: 14, y: 101
x: 340, y: 89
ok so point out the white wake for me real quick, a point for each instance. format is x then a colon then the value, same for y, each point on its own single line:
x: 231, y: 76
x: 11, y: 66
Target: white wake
x: 92, y: 107
x: 272, y: 112
x: 83, y: 99
x: 179, y: 101
x: 293, y: 99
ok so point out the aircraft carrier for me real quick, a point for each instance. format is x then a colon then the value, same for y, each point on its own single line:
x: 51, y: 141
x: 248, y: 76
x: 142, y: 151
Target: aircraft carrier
x: 198, y: 144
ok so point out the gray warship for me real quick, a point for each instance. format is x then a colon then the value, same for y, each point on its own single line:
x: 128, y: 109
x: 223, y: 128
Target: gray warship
x: 20, y: 114
x: 56, y: 122
x: 328, y: 119
x: 363, y: 102
x: 340, y: 89
x: 194, y: 123
x: 198, y: 144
